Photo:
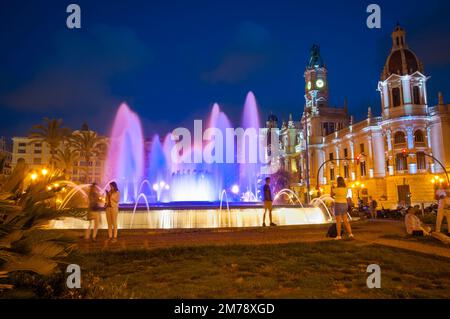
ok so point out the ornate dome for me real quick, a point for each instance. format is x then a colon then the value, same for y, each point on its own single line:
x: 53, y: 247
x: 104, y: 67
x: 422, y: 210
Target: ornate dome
x: 401, y: 60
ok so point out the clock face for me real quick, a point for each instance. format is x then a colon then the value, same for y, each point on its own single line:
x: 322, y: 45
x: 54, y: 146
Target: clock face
x: 320, y: 83
x: 309, y: 85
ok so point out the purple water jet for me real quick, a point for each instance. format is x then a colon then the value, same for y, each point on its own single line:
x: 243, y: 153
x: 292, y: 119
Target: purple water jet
x: 250, y: 170
x: 125, y: 161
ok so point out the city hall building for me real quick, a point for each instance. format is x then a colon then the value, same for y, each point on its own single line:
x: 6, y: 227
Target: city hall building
x: 395, y: 157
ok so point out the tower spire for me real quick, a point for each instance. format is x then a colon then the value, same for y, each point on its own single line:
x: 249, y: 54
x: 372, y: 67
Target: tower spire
x: 441, y: 98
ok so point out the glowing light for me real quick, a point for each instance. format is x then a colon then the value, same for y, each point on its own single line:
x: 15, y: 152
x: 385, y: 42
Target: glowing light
x: 44, y: 172
x: 167, y: 186
x: 235, y: 189
x: 56, y: 185
x: 34, y: 176
x: 162, y: 184
x: 320, y: 83
x: 49, y: 188
x: 155, y: 187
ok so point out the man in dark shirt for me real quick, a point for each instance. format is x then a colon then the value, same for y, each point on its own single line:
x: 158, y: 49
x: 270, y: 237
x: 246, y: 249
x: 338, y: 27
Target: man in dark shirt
x: 267, y: 202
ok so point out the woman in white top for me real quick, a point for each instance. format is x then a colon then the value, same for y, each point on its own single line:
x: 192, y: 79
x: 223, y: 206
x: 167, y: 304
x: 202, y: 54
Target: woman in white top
x: 112, y: 210
x: 341, y: 207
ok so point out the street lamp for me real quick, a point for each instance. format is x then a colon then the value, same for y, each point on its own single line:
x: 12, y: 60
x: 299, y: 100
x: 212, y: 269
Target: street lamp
x: 33, y: 176
x: 44, y: 172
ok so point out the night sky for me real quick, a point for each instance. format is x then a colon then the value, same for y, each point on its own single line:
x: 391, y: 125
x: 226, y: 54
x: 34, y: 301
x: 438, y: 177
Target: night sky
x: 171, y: 60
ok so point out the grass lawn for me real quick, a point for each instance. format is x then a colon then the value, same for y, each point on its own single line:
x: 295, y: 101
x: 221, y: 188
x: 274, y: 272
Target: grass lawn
x: 301, y: 270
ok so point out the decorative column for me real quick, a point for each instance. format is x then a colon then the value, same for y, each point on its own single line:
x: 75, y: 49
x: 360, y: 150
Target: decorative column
x: 406, y: 89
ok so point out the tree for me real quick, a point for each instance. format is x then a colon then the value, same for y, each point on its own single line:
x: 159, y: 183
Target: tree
x: 24, y: 244
x: 50, y: 132
x: 88, y: 145
x: 65, y: 159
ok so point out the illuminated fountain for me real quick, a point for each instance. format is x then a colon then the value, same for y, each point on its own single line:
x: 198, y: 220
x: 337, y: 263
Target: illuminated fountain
x: 125, y: 160
x: 157, y: 192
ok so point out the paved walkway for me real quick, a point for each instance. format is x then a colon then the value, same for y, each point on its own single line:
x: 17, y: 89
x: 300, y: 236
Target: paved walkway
x: 366, y: 232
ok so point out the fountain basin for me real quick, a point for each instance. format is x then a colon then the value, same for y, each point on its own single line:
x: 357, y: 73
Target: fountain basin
x: 185, y: 217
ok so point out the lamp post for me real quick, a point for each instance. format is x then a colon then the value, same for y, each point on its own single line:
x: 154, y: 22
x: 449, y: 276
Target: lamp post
x: 308, y: 182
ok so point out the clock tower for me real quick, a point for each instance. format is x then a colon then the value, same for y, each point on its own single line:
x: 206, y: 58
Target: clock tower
x: 319, y: 118
x: 316, y: 84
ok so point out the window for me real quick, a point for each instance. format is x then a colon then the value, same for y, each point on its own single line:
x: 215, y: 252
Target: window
x: 331, y: 156
x: 346, y: 171
x: 345, y: 152
x: 416, y: 95
x: 22, y: 144
x: 361, y: 147
x: 418, y: 137
x: 38, y: 145
x: 401, y: 163
x: 421, y: 162
x: 21, y: 151
x: 387, y: 166
x: 332, y: 174
x: 328, y: 128
x: 37, y: 151
x: 362, y: 167
x: 399, y: 138
x: 396, y: 97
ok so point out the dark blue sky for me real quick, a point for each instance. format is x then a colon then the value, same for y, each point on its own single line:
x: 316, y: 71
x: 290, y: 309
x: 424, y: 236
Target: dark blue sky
x: 170, y: 60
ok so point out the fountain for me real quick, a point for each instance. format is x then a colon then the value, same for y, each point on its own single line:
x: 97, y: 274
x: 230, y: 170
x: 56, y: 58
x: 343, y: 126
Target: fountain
x: 158, y: 192
x: 125, y: 161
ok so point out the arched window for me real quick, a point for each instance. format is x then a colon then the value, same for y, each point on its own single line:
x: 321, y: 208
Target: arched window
x: 416, y: 95
x: 399, y: 138
x: 418, y: 137
x: 396, y: 97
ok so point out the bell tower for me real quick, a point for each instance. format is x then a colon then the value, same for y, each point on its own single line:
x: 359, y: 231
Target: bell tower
x: 316, y: 84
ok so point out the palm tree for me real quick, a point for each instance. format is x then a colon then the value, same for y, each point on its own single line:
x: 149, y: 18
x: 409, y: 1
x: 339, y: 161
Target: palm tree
x: 24, y: 245
x: 50, y: 132
x: 88, y: 145
x: 65, y: 159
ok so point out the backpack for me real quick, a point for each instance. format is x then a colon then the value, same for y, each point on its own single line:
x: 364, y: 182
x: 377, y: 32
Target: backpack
x: 332, y: 231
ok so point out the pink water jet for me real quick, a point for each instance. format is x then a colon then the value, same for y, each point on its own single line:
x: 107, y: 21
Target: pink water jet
x: 125, y: 161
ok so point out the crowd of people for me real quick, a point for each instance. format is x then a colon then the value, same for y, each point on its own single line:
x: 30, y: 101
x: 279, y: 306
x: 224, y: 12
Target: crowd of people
x: 341, y: 208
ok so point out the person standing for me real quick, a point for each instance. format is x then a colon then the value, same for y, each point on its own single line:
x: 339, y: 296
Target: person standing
x: 267, y: 202
x: 341, y: 207
x: 443, y: 208
x: 93, y: 215
x: 373, y: 207
x: 112, y: 210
